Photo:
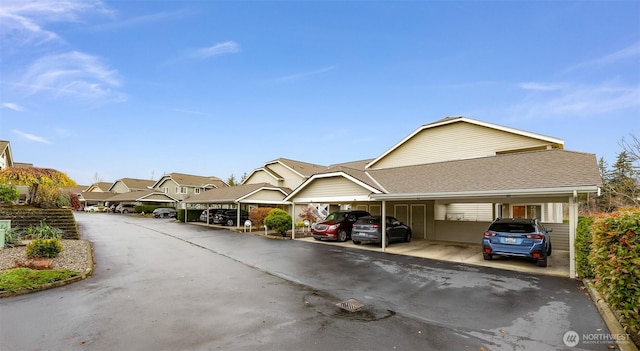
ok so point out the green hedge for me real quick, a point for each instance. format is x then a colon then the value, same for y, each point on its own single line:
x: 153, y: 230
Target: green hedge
x: 583, y: 247
x: 615, y: 258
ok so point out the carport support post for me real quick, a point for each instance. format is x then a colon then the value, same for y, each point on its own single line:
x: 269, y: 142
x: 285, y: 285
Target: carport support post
x: 384, y: 225
x: 293, y: 222
x: 573, y: 224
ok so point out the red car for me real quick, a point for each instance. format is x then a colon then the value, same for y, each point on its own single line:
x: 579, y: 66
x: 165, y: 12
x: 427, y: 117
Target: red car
x: 337, y: 226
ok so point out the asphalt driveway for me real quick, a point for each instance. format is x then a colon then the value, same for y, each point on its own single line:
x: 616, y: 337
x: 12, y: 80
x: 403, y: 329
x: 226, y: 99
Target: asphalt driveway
x: 162, y: 285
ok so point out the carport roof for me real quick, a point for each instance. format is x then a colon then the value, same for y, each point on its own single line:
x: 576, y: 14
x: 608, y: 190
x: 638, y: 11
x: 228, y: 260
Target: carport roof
x: 535, y: 171
x: 233, y: 193
x: 140, y: 196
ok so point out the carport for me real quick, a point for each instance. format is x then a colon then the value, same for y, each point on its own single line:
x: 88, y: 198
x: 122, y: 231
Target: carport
x: 413, y: 194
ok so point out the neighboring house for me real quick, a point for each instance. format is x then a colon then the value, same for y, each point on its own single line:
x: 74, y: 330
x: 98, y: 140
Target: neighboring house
x: 6, y: 158
x: 244, y: 196
x: 99, y: 187
x: 450, y: 178
x: 183, y: 186
x: 283, y: 172
x: 266, y: 186
x: 128, y: 185
x: 143, y: 197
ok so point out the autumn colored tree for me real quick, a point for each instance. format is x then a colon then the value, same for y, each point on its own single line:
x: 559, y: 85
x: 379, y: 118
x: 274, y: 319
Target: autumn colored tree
x: 44, y: 183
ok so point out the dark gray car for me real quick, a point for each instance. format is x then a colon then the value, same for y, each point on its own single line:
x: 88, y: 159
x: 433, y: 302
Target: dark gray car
x: 369, y: 230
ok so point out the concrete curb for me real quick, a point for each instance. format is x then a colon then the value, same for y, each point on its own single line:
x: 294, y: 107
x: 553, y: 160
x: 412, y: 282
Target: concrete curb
x: 609, y: 317
x: 82, y: 276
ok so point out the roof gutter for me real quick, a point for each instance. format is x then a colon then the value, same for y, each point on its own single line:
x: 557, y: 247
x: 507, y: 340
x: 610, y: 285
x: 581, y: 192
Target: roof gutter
x: 568, y: 191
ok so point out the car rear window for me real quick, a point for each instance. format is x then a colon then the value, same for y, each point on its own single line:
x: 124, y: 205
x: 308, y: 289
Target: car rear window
x: 367, y: 220
x: 512, y: 228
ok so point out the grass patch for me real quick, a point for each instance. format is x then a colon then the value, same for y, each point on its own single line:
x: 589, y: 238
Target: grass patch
x: 25, y: 278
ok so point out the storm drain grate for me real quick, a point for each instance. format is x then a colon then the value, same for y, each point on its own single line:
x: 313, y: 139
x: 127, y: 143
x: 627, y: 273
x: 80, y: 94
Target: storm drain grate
x: 351, y: 305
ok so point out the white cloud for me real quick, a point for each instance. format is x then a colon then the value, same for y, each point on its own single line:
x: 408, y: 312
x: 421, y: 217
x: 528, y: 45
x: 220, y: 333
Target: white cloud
x: 12, y: 106
x: 73, y: 74
x: 303, y: 75
x: 23, y: 20
x: 542, y: 86
x: 576, y: 100
x: 31, y: 137
x: 630, y: 52
x: 228, y: 47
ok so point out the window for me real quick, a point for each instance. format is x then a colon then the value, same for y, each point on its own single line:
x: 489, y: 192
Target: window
x: 197, y: 190
x: 165, y: 190
x: 183, y: 190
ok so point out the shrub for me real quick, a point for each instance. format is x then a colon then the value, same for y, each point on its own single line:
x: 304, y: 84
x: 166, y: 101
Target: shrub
x: 43, y: 231
x: 616, y: 260
x: 257, y: 215
x: 583, y: 247
x: 278, y: 220
x: 41, y: 248
x: 307, y: 214
x: 12, y: 236
x: 9, y: 193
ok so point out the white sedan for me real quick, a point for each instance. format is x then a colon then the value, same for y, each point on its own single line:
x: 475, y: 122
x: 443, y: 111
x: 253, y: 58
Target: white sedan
x: 93, y: 208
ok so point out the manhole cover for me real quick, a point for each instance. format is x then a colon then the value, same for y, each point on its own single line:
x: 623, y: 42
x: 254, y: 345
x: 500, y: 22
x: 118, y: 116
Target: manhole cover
x: 351, y: 305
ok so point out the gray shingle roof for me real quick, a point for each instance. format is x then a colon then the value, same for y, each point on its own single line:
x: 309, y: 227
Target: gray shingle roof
x: 527, y: 170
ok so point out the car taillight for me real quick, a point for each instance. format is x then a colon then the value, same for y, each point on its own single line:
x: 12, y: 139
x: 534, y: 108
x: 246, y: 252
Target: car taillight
x: 487, y: 250
x: 375, y: 226
x: 535, y: 236
x: 489, y: 233
x: 536, y: 255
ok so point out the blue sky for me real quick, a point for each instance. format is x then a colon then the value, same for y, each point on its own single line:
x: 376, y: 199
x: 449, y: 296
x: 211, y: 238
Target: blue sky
x: 138, y: 89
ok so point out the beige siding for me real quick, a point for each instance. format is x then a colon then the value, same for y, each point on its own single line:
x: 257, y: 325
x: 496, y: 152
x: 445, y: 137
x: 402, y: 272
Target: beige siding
x: 291, y: 179
x: 469, y: 212
x: 265, y: 195
x: 453, y: 142
x: 460, y: 231
x: 120, y: 188
x: 157, y: 197
x: 261, y: 177
x: 332, y: 187
x: 559, y: 235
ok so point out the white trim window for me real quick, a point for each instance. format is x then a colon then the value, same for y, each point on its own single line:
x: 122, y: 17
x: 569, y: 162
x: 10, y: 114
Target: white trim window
x: 183, y: 190
x: 196, y: 191
x: 165, y: 190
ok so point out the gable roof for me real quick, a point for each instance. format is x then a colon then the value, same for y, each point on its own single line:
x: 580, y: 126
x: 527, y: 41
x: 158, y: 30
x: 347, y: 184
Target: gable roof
x: 134, y: 184
x: 5, y: 148
x: 535, y: 172
x: 192, y: 180
x: 558, y: 143
x: 302, y: 169
x: 103, y: 186
x: 233, y: 193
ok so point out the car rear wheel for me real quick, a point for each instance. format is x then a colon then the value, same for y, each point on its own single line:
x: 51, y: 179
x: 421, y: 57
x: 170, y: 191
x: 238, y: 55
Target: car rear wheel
x: 230, y: 222
x: 342, y: 235
x: 542, y: 262
x: 407, y: 236
x: 357, y: 242
x: 487, y: 256
x: 549, y: 250
x: 314, y: 238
